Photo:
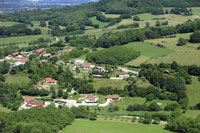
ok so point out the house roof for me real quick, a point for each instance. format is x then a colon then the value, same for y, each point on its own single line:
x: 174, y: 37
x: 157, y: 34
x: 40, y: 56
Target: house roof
x: 40, y: 50
x: 99, y: 67
x: 37, y: 86
x: 28, y: 99
x: 122, y: 73
x: 24, y: 60
x: 35, y: 103
x: 90, y: 97
x: 21, y: 53
x: 112, y: 96
x: 15, y: 53
x: 49, y: 80
x: 85, y: 65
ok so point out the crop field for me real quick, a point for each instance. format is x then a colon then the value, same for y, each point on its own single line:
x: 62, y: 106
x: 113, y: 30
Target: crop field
x: 11, y: 79
x: 95, y: 21
x: 23, y: 39
x: 184, y: 55
x: 7, y: 23
x: 193, y: 91
x: 85, y: 126
x: 119, y: 84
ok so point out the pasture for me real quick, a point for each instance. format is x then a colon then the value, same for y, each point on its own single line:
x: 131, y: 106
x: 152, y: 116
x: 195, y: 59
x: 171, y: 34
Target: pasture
x: 85, y: 126
x: 7, y: 23
x: 193, y: 91
x: 95, y: 21
x: 183, y: 55
x: 111, y: 15
x: 119, y: 84
x: 11, y: 79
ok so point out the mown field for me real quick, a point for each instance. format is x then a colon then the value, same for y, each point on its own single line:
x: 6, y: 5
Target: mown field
x: 17, y: 79
x: 119, y: 84
x: 95, y: 21
x: 85, y: 126
x: 7, y: 23
x: 183, y: 55
x: 148, y: 52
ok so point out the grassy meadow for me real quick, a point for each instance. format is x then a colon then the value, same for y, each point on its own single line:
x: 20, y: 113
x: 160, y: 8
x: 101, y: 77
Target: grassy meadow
x: 85, y: 126
x: 17, y: 79
x: 7, y: 23
x: 4, y: 109
x: 95, y: 21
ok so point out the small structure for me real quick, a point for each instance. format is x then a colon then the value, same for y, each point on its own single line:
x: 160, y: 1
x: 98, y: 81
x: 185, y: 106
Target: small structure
x: 28, y: 99
x: 15, y: 54
x: 79, y: 61
x: 38, y: 86
x: 39, y: 51
x: 34, y: 104
x: 113, y: 97
x: 123, y: 75
x: 100, y: 69
x: 20, y: 62
x: 60, y: 63
x: 86, y: 66
x: 47, y: 55
x: 167, y: 72
x: 43, y: 61
x: 49, y: 81
x: 91, y: 99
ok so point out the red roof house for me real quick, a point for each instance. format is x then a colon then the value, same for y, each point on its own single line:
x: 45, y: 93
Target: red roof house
x: 15, y: 53
x: 113, y: 97
x: 40, y: 50
x: 28, y: 99
x: 34, y: 104
x: 50, y: 81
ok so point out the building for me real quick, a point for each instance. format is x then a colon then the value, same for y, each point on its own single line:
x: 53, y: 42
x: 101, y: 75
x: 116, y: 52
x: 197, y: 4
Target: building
x: 46, y: 55
x: 34, y: 104
x: 60, y: 63
x: 79, y: 61
x: 113, y: 97
x: 38, y: 86
x: 123, y: 75
x: 28, y: 99
x: 86, y: 66
x: 39, y: 51
x: 100, y: 69
x: 15, y: 54
x: 49, y: 81
x: 91, y: 99
x: 20, y: 62
x: 167, y: 72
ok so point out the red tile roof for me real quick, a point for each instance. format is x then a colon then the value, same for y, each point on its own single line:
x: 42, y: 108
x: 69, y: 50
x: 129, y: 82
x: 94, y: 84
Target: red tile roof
x: 24, y: 60
x: 37, y: 104
x: 91, y: 97
x: 49, y: 80
x: 40, y: 50
x: 112, y: 96
x: 85, y: 65
x: 28, y: 99
x: 15, y: 53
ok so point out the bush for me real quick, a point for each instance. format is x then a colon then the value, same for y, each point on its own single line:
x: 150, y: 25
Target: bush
x: 136, y: 18
x: 195, y: 37
x: 181, y: 42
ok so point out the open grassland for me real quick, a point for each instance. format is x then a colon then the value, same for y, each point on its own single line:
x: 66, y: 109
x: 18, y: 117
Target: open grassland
x: 148, y: 50
x: 95, y: 21
x: 85, y: 126
x: 184, y: 55
x: 111, y: 15
x: 23, y: 39
x: 142, y: 83
x: 196, y: 10
x: 3, y: 109
x: 7, y: 23
x: 17, y: 79
x: 119, y: 84
x: 193, y: 91
x: 192, y: 113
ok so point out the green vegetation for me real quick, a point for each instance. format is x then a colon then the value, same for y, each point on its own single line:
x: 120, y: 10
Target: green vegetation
x: 21, y: 79
x: 95, y: 21
x: 85, y: 126
x: 7, y: 23
x: 114, y: 55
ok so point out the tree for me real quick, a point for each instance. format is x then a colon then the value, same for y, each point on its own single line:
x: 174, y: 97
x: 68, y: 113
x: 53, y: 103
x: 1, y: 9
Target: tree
x: 136, y: 18
x: 174, y: 66
x: 65, y: 96
x: 60, y: 93
x: 156, y: 120
x: 158, y: 23
x: 181, y: 42
x: 195, y: 37
x: 93, y: 116
x: 147, y: 118
x: 147, y: 25
x: 67, y: 39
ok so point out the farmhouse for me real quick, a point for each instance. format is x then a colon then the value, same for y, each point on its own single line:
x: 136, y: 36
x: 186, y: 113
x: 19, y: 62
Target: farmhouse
x: 39, y: 51
x: 20, y: 62
x: 113, y: 97
x: 100, y: 69
x: 34, y: 104
x: 90, y: 98
x: 123, y: 75
x: 86, y: 66
x: 49, y: 81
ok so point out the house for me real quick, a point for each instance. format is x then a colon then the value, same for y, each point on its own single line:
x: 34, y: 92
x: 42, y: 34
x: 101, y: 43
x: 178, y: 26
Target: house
x: 38, y: 86
x: 60, y: 63
x: 123, y: 75
x: 49, y: 81
x: 34, y: 104
x: 86, y: 66
x: 39, y: 51
x: 113, y: 97
x: 20, y: 62
x: 100, y: 69
x: 91, y: 99
x: 79, y: 61
x: 167, y: 72
x: 47, y: 55
x: 28, y: 99
x: 15, y: 53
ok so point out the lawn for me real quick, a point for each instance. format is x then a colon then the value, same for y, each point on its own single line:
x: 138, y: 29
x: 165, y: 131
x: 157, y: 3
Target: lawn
x: 183, y: 55
x: 3, y: 109
x: 17, y: 79
x: 119, y: 84
x: 149, y: 50
x: 7, y: 23
x: 192, y: 113
x: 193, y: 91
x: 95, y: 21
x: 196, y: 10
x: 23, y: 38
x: 85, y: 126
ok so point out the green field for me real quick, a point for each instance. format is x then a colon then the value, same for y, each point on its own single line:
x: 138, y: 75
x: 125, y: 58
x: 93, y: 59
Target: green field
x: 95, y: 21
x: 16, y: 79
x: 7, y: 23
x: 196, y: 10
x: 3, y: 109
x: 193, y: 91
x: 119, y: 84
x: 85, y: 126
x: 23, y: 39
x: 111, y: 15
x: 149, y: 50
